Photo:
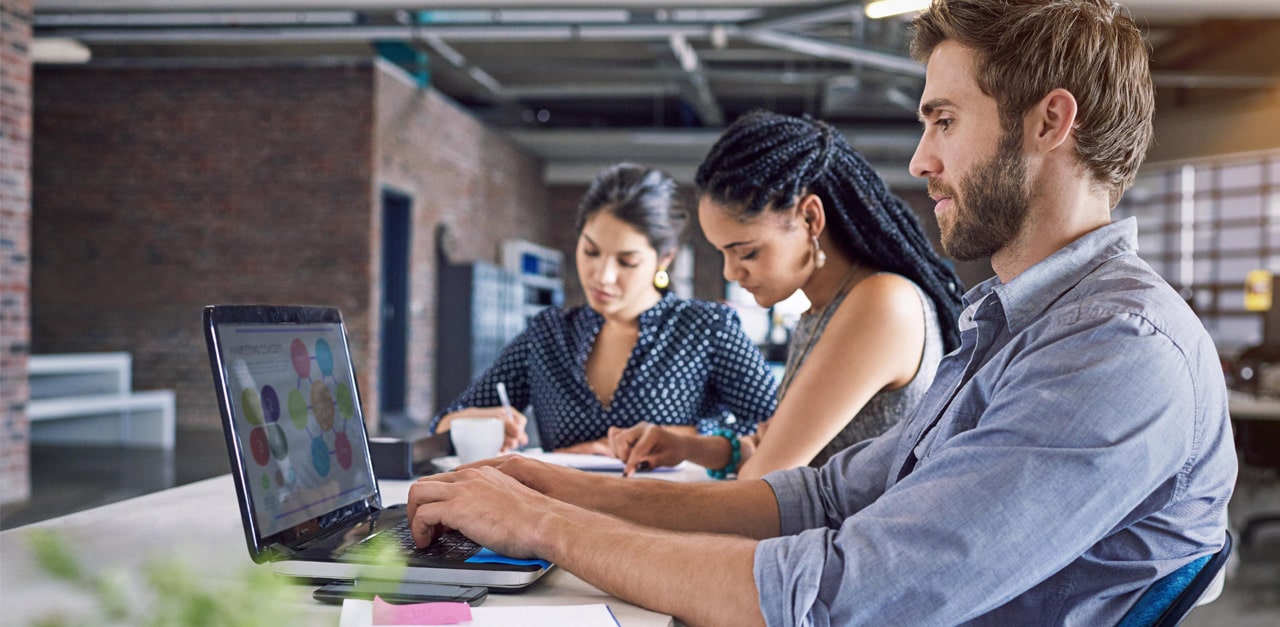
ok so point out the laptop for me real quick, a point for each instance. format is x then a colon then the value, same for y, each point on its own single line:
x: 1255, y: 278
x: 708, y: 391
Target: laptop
x: 300, y: 458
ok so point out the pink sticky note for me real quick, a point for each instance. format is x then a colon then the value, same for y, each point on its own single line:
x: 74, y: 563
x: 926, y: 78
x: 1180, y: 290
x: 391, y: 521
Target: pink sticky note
x: 440, y: 613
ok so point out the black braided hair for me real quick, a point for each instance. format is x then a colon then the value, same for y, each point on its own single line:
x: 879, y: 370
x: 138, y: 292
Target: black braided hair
x: 766, y: 160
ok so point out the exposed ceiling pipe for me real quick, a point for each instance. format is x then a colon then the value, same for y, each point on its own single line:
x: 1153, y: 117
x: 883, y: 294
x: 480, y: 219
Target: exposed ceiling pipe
x: 355, y: 34
x: 572, y: 91
x: 672, y: 6
x: 278, y: 18
x: 843, y: 12
x: 828, y: 50
x: 699, y: 95
x: 482, y: 78
x: 682, y: 143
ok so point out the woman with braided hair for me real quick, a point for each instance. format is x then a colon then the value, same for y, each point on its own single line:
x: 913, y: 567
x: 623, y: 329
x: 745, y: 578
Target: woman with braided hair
x: 793, y: 207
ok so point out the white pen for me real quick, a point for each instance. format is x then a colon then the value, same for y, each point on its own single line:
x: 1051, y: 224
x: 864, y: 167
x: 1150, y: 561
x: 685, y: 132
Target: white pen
x: 506, y: 402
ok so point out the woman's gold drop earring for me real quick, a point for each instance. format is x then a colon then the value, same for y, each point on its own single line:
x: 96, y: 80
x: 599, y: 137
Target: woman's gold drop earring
x: 819, y: 257
x: 660, y: 279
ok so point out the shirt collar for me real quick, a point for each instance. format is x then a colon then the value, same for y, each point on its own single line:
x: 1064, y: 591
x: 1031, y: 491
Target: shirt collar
x: 1028, y: 295
x: 647, y: 318
x: 655, y: 313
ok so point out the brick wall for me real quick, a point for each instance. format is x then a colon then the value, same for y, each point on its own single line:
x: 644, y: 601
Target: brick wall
x: 15, y: 239
x: 563, y: 208
x: 159, y: 190
x: 460, y: 175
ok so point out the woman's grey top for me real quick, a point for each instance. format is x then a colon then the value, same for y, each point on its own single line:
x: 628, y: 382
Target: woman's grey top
x: 888, y: 406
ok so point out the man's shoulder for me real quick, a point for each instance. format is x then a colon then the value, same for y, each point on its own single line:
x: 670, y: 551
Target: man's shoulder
x: 1125, y: 286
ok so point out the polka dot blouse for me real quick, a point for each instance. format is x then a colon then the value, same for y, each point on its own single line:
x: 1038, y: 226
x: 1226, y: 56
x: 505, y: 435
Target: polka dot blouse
x: 692, y: 365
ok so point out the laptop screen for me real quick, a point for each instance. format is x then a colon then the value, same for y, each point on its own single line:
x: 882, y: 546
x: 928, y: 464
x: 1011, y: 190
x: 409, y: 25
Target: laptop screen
x: 296, y: 420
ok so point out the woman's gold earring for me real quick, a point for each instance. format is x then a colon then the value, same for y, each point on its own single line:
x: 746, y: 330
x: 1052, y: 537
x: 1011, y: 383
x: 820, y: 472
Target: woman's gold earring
x: 660, y: 279
x: 819, y: 257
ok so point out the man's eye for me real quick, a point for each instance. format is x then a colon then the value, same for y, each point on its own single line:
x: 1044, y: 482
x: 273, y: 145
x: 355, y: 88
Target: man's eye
x: 945, y: 123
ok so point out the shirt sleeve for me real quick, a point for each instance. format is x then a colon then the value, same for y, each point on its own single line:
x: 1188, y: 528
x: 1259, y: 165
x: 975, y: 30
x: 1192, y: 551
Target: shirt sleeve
x: 1087, y: 430
x: 740, y: 379
x: 511, y: 368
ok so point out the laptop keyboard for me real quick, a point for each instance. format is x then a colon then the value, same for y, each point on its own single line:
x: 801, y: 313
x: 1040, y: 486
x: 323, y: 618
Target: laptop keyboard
x: 452, y: 546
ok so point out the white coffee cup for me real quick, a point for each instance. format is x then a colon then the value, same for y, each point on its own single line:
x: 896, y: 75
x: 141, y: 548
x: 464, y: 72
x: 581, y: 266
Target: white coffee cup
x: 475, y: 439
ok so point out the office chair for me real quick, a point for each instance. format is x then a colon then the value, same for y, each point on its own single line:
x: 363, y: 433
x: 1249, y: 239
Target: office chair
x: 1172, y: 597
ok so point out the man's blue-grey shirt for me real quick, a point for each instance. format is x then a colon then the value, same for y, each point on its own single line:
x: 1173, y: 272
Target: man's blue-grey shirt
x: 1074, y: 449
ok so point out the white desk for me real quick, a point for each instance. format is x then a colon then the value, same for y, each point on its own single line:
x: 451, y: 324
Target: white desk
x: 199, y: 524
x: 1255, y: 421
x: 1250, y: 407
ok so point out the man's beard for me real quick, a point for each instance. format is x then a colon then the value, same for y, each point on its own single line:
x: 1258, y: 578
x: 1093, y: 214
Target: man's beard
x: 994, y: 205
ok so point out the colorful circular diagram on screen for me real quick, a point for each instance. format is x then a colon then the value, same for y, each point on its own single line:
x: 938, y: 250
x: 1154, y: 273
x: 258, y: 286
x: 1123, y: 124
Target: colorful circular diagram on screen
x: 270, y: 404
x: 322, y: 405
x: 259, y: 447
x: 346, y: 401
x: 297, y: 409
x: 342, y: 450
x: 324, y: 357
x: 320, y: 456
x: 252, y: 406
x: 301, y: 359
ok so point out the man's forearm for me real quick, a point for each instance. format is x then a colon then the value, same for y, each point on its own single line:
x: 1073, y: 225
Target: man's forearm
x: 745, y: 508
x: 701, y: 579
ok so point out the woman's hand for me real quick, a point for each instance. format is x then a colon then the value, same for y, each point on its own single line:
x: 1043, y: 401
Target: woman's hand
x: 644, y: 446
x: 513, y: 423
x: 590, y: 447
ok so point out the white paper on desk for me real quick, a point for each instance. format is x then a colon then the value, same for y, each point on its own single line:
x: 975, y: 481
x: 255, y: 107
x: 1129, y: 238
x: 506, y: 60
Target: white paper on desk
x: 581, y: 461
x: 359, y: 613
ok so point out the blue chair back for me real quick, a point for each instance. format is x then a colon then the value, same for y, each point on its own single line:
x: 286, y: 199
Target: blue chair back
x: 1172, y: 597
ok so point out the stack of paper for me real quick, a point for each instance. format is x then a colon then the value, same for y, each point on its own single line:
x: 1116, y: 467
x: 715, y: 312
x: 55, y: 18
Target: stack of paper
x: 581, y: 461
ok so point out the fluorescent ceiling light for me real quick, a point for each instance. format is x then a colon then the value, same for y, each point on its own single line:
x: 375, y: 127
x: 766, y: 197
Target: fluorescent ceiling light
x: 58, y: 50
x: 885, y: 8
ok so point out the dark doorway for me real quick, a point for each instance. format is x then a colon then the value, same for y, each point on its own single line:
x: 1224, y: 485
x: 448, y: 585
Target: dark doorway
x: 396, y: 227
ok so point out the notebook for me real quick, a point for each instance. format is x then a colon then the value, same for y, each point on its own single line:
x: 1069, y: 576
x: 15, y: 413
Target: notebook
x: 299, y: 454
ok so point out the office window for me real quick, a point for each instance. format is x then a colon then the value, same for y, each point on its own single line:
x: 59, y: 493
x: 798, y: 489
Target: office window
x: 1203, y: 225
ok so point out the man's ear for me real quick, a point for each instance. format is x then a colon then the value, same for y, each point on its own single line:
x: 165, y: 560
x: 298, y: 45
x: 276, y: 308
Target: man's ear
x: 810, y: 212
x: 1051, y: 121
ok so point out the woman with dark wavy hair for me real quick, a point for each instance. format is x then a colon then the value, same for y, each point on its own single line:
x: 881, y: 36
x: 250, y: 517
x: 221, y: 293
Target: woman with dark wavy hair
x: 635, y: 352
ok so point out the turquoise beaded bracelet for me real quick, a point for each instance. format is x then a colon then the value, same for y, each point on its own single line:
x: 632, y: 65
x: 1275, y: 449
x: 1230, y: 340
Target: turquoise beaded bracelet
x: 735, y: 455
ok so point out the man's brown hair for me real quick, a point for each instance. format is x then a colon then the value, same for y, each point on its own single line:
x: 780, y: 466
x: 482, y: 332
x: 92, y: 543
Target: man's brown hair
x: 1026, y: 48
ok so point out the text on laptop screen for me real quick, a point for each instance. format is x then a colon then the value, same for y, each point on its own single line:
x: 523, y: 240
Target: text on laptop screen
x: 293, y: 401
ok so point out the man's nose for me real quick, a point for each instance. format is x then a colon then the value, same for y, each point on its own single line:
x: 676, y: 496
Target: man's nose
x: 925, y: 163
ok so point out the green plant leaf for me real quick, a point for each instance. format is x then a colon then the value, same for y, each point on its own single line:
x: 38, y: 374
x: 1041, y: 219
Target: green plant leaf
x: 52, y: 554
